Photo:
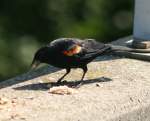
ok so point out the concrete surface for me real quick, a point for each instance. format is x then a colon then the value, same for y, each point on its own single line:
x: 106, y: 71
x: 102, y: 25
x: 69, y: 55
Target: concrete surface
x: 115, y: 89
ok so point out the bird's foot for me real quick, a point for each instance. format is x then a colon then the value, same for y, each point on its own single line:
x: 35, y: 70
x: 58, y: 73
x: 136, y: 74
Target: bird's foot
x: 59, y: 82
x: 65, y: 81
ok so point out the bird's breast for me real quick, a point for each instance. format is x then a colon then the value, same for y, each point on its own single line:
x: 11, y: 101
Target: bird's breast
x: 62, y: 61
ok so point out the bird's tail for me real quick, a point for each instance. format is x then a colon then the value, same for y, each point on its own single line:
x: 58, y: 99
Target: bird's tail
x: 116, y: 50
x: 91, y: 56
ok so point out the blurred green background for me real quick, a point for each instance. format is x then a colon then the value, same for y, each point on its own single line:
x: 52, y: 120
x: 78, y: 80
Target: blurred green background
x: 26, y: 25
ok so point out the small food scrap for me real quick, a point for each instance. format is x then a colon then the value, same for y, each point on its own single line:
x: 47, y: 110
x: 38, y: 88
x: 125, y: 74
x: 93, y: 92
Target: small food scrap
x: 3, y: 100
x: 97, y: 85
x: 62, y: 90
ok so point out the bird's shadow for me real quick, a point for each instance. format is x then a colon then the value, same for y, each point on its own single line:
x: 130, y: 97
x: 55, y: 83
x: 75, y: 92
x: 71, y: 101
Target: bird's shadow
x: 41, y: 72
x: 74, y: 84
x: 29, y: 75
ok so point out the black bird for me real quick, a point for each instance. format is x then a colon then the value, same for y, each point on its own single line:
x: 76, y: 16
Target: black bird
x: 67, y: 53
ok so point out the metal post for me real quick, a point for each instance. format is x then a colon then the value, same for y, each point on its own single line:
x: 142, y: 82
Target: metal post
x: 141, y: 31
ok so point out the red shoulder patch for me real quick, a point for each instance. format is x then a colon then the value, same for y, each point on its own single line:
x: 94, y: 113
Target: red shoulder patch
x: 75, y: 50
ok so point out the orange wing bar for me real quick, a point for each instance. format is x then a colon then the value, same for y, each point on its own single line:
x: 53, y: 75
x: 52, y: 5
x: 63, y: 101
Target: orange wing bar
x: 75, y: 50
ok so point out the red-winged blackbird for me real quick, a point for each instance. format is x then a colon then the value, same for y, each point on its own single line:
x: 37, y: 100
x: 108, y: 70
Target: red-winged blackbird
x: 67, y: 53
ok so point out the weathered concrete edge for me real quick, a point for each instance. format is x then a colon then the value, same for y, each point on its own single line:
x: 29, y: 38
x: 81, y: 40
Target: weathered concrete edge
x: 141, y: 113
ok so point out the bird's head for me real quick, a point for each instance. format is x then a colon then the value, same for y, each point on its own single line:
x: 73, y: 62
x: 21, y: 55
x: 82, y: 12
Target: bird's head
x: 40, y: 57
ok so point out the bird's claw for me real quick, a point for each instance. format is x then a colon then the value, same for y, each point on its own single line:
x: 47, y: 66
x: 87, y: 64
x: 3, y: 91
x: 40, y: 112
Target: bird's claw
x: 59, y: 82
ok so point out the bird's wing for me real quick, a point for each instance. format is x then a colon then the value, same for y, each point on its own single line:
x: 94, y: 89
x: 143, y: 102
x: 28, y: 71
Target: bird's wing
x: 92, y: 45
x: 67, y: 46
x: 84, y: 47
x: 77, y: 47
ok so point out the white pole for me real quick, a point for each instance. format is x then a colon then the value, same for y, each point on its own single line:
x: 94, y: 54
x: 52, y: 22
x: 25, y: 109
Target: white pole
x: 142, y: 20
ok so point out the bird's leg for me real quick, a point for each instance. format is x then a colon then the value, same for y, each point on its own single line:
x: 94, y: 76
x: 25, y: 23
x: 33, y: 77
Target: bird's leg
x: 67, y: 72
x: 84, y: 72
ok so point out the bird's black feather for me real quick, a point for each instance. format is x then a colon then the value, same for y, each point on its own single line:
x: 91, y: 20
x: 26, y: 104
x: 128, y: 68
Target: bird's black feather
x: 53, y: 54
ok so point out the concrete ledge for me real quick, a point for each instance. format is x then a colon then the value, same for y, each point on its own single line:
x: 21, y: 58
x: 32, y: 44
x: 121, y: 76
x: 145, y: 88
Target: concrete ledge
x: 123, y: 93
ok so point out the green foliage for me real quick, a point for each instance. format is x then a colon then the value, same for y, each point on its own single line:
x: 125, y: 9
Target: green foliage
x: 26, y: 25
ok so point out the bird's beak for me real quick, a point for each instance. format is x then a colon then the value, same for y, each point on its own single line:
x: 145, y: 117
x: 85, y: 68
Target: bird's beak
x: 35, y: 64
